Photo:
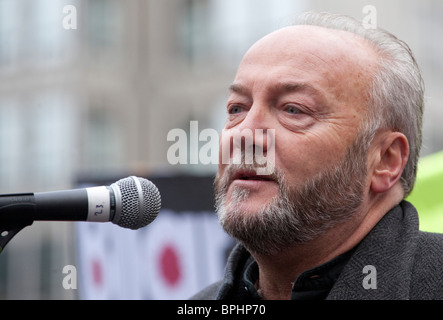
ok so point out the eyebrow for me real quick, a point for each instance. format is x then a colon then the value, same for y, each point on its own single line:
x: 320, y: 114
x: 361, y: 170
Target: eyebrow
x: 286, y: 87
x: 238, y: 88
x: 295, y: 86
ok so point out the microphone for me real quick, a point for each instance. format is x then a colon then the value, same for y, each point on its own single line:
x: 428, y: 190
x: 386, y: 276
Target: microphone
x: 131, y: 203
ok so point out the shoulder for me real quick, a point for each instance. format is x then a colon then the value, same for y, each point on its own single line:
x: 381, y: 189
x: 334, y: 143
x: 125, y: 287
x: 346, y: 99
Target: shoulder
x: 427, y: 279
x: 430, y: 248
x: 434, y: 240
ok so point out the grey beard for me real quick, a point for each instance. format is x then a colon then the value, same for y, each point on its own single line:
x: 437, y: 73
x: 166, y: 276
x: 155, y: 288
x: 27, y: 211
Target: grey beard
x: 295, y: 215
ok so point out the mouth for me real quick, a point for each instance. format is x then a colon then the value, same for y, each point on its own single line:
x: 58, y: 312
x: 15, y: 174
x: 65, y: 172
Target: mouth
x: 251, y: 176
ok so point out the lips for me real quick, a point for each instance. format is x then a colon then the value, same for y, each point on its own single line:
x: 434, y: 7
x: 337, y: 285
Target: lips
x: 251, y: 175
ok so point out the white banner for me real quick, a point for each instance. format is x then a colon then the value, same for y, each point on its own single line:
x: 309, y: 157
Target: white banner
x: 172, y: 258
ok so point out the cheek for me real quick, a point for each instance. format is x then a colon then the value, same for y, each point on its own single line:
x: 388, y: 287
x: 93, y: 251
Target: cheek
x: 225, y: 149
x: 302, y: 156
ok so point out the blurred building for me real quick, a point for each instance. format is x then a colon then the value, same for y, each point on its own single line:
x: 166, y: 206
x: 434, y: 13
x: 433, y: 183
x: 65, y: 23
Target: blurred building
x: 99, y: 100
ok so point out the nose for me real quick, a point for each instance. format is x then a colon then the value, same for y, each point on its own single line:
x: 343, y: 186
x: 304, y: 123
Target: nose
x: 251, y: 138
x: 256, y: 125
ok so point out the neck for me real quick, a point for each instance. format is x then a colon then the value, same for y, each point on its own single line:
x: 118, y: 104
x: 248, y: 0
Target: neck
x: 278, y: 272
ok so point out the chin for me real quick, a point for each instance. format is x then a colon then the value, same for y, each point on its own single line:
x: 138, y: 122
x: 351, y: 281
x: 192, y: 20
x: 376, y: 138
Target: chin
x: 248, y: 203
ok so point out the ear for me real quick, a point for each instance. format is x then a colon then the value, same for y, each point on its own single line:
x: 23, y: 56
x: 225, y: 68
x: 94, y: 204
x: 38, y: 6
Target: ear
x: 392, y: 152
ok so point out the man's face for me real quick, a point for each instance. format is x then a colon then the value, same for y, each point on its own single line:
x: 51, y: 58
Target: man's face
x: 308, y: 85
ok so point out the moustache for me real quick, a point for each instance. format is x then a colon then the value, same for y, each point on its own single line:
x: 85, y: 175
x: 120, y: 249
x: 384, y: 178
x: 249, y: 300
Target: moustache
x: 247, y: 172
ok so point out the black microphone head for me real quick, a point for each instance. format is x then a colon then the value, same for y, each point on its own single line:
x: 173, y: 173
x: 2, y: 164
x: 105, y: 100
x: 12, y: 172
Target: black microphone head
x: 137, y: 202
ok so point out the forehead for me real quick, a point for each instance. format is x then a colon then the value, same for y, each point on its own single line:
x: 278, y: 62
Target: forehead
x: 337, y: 63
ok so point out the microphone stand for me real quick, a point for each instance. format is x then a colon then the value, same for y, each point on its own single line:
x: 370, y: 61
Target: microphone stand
x: 16, y: 213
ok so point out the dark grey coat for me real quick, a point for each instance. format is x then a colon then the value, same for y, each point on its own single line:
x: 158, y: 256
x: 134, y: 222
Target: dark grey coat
x: 408, y: 263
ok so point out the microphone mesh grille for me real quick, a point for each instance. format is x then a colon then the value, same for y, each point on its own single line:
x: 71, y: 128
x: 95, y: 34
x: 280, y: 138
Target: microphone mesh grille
x: 134, y: 214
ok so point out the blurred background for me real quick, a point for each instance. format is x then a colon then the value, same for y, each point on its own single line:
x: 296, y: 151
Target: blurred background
x: 97, y: 101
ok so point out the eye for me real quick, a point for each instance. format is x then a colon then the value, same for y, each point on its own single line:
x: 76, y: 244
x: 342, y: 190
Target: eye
x: 293, y: 109
x: 234, y: 109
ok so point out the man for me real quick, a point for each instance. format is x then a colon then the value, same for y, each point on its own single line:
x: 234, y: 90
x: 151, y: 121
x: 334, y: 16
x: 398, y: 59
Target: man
x: 345, y: 107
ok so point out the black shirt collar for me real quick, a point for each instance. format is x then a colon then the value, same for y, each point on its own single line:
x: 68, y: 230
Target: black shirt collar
x: 313, y: 284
